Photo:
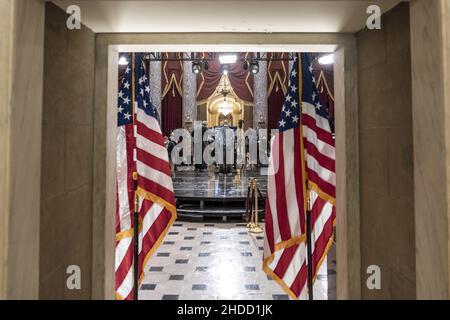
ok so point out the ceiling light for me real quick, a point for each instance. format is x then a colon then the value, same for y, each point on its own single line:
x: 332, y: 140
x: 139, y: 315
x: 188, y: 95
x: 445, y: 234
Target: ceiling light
x: 123, y: 61
x: 228, y: 58
x: 254, y: 67
x: 225, y: 108
x: 196, y: 67
x: 225, y: 69
x: 329, y: 59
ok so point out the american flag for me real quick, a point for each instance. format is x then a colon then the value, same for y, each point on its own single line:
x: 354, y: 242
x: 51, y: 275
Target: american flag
x: 140, y: 148
x: 302, y: 148
x: 320, y: 169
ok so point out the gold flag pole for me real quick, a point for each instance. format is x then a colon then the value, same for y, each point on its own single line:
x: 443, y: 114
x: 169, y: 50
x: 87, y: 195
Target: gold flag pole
x: 136, y: 237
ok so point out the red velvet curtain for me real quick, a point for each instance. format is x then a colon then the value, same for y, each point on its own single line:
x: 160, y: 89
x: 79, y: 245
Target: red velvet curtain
x: 172, y: 110
x: 324, y: 75
x: 172, y: 95
x: 241, y: 80
x: 278, y: 76
x: 274, y: 105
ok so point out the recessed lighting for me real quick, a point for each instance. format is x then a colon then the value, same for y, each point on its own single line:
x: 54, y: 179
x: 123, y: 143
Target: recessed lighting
x: 225, y: 69
x: 329, y: 59
x: 228, y: 58
x: 123, y: 61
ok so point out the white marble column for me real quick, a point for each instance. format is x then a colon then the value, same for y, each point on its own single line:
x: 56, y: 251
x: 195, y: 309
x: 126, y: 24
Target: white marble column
x: 155, y: 84
x: 260, y: 94
x: 189, y: 93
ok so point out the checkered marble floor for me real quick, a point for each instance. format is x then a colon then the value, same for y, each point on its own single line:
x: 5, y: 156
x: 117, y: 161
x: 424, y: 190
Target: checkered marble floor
x: 209, y: 261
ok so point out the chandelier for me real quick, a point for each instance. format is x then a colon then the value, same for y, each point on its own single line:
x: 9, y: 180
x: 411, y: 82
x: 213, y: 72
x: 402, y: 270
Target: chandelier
x: 225, y: 108
x: 224, y: 89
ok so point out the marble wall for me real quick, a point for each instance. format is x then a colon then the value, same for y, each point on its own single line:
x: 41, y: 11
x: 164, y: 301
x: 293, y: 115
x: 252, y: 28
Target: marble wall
x: 67, y: 157
x: 189, y: 92
x: 431, y: 115
x: 155, y: 84
x: 21, y: 62
x: 260, y: 94
x: 386, y: 156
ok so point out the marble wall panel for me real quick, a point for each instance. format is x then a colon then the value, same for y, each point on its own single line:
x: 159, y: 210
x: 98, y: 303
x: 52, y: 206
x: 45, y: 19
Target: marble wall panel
x: 260, y: 94
x: 431, y: 115
x: 189, y: 93
x: 386, y: 155
x: 67, y: 156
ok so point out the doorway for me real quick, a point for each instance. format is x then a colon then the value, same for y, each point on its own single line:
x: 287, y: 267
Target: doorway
x: 344, y: 286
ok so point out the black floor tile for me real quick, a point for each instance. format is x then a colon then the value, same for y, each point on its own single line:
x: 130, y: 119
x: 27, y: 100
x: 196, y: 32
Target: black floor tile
x: 251, y: 287
x: 280, y: 297
x: 176, y: 277
x: 181, y: 261
x: 170, y: 297
x: 199, y: 287
x: 148, y: 286
x: 204, y: 254
x: 156, y: 269
x: 201, y: 269
x: 163, y: 254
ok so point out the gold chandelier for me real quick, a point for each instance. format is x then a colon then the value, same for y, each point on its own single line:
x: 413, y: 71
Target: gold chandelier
x: 224, y: 89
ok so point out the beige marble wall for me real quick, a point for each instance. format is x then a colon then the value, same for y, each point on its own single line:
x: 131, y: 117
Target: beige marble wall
x: 21, y: 61
x: 67, y: 157
x: 6, y: 24
x: 431, y: 115
x: 386, y: 156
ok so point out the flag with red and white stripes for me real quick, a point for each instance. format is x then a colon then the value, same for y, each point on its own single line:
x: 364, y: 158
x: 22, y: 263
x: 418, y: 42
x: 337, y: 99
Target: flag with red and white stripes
x: 320, y: 166
x: 140, y: 149
x: 301, y: 163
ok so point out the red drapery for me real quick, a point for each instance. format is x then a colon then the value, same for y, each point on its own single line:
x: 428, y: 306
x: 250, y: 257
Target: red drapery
x: 274, y: 105
x: 325, y: 83
x: 241, y: 80
x: 278, y: 78
x: 172, y: 93
x: 171, y: 109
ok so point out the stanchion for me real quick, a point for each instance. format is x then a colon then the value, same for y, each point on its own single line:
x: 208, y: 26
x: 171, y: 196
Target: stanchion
x: 136, y: 238
x: 256, y: 227
x: 251, y: 195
